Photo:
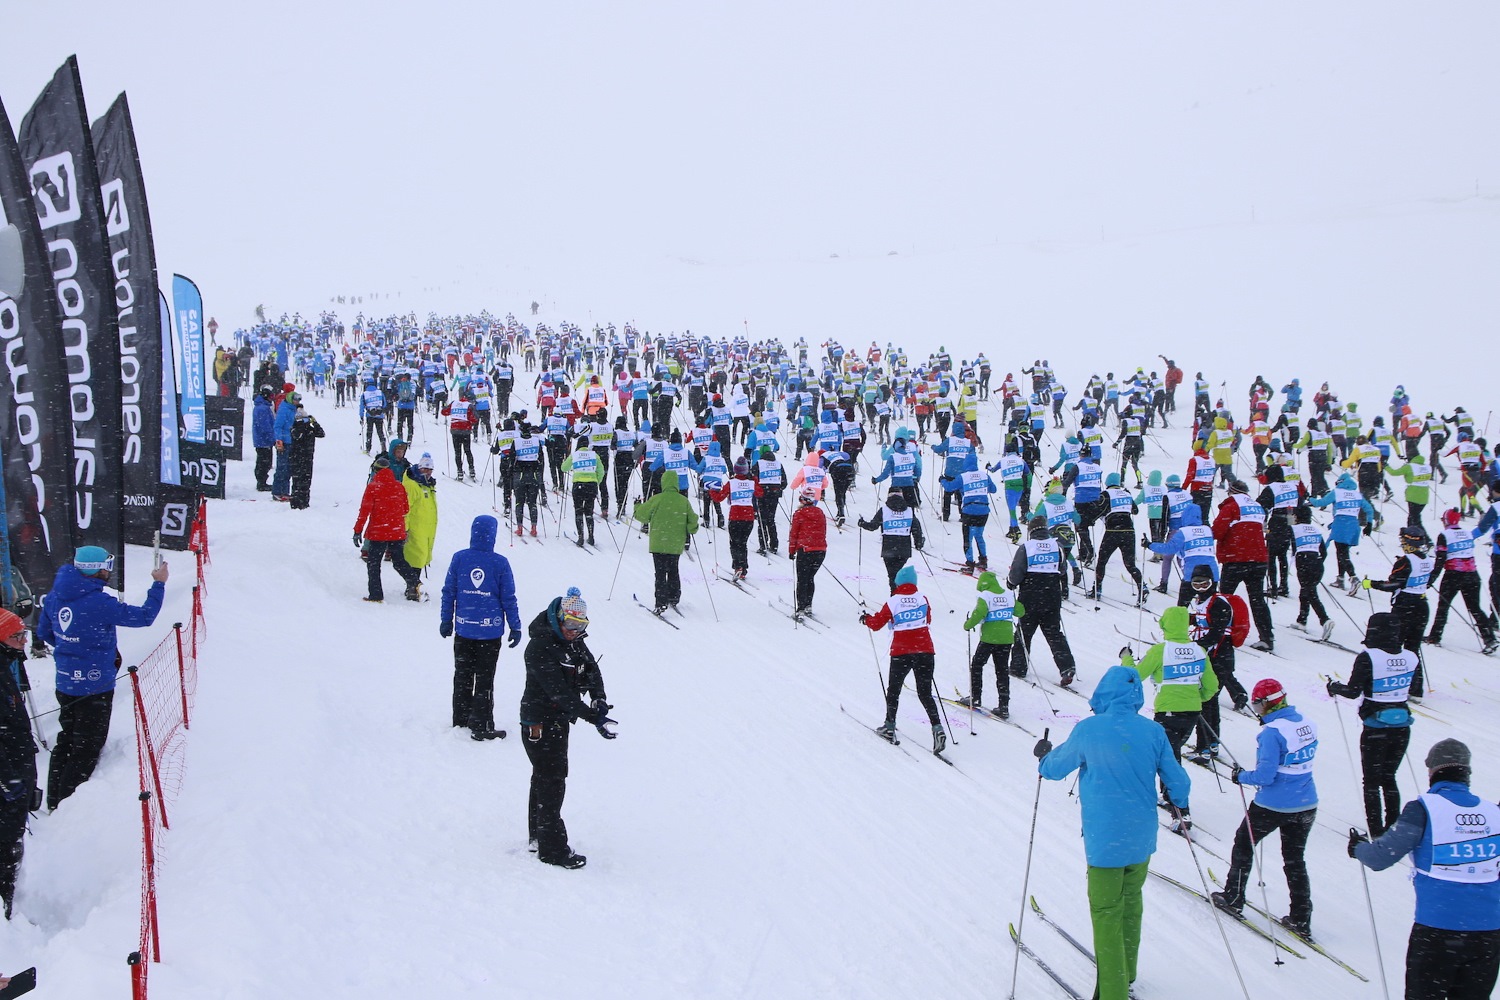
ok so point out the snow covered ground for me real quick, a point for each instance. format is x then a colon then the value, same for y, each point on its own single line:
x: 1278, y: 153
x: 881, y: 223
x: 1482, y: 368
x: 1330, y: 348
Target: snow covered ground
x: 335, y: 837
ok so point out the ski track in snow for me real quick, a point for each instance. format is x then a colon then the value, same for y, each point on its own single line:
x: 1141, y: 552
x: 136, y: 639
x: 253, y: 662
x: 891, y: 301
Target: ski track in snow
x: 334, y: 837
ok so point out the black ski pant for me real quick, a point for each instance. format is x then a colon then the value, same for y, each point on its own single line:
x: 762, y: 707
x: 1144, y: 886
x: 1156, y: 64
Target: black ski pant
x: 84, y: 721
x: 739, y: 543
x: 528, y: 487
x: 893, y: 566
x: 583, y: 509
x: 1414, y: 513
x: 1453, y: 583
x: 768, y: 506
x: 808, y: 564
x: 603, y: 456
x: 1124, y: 541
x: 1259, y: 822
x: 374, y: 424
x: 1221, y: 662
x: 302, y: 471
x: 624, y: 466
x: 668, y: 582
x: 919, y: 664
x: 1380, y: 753
x: 13, y: 817
x: 263, y: 457
x: 842, y: 475
x: 1179, y: 726
x: 375, y: 553
x: 1278, y: 548
x: 1451, y: 965
x: 1345, y: 561
x: 1001, y: 654
x: 406, y: 418
x: 557, y: 450
x: 1041, y: 593
x: 1494, y: 588
x: 1309, y: 576
x: 1253, y: 576
x: 547, y: 748
x: 474, y: 682
x: 1412, y: 611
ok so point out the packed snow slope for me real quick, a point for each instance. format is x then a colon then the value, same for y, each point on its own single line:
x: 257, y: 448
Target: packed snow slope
x: 746, y: 838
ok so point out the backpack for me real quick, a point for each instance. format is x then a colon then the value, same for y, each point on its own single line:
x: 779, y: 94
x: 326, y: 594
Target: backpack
x: 1239, y: 628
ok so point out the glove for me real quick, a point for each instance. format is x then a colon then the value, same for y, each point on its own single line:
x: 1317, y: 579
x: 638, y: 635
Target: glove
x: 358, y: 541
x: 874, y: 481
x: 864, y: 617
x: 920, y: 546
x: 1329, y: 688
x: 1127, y: 658
x: 1043, y: 748
x: 1365, y: 583
x: 1355, y: 839
x: 607, y: 733
x: 600, y: 707
x: 14, y: 790
x: 1234, y: 774
x: 445, y: 629
x: 515, y: 638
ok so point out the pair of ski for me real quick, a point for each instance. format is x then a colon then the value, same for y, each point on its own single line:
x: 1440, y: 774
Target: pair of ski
x: 1062, y: 932
x: 895, y: 740
x: 744, y: 586
x: 803, y: 618
x: 1263, y: 932
x: 659, y: 616
x: 986, y: 713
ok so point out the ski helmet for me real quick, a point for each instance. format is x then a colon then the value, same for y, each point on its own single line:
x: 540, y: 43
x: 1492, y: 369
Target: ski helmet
x: 1269, y: 695
x: 1414, y: 540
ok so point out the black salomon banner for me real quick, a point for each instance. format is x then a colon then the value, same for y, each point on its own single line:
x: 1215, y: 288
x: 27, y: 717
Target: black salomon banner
x: 176, y: 510
x: 225, y: 423
x: 59, y: 155
x: 203, y: 468
x: 36, y: 437
x: 132, y: 261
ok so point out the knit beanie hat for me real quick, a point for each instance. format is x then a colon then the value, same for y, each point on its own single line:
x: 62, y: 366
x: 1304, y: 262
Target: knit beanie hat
x: 573, y: 611
x: 10, y: 624
x: 1447, y: 753
x: 425, y: 462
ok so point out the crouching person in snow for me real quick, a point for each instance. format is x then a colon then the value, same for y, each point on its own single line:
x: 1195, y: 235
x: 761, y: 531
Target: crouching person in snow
x: 479, y: 600
x: 559, y: 668
x: 1119, y: 756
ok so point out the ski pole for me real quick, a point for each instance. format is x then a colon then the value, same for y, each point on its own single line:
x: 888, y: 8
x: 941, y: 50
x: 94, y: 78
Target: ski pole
x: 969, y: 658
x: 1364, y: 879
x: 707, y: 589
x: 1218, y: 917
x: 1015, y: 968
x: 629, y: 530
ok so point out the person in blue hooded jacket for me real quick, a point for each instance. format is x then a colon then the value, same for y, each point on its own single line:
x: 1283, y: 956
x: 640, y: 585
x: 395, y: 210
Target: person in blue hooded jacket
x: 78, y: 621
x: 478, y: 602
x: 1119, y: 756
x: 1454, y: 947
x: 903, y: 467
x: 955, y: 449
x: 1191, y: 545
x: 975, y: 487
x: 263, y: 437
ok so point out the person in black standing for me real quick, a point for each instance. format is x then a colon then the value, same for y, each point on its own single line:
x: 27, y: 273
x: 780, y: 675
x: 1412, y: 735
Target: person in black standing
x: 559, y: 669
x: 305, y: 433
x: 18, y: 788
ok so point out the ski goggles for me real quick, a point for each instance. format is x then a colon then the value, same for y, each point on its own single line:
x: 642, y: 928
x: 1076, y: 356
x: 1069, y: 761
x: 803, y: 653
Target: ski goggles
x: 95, y: 564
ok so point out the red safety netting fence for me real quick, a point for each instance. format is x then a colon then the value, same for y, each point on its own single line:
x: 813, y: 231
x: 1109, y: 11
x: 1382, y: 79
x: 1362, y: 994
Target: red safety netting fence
x: 163, y: 686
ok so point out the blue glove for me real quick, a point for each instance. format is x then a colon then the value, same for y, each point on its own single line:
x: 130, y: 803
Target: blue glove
x: 445, y: 629
x: 14, y: 790
x: 515, y: 638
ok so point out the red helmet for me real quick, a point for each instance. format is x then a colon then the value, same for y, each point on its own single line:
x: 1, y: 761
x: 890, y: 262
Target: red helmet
x: 1450, y: 517
x: 1269, y: 691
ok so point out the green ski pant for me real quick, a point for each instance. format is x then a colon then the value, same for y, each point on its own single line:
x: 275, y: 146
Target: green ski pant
x: 1115, y: 905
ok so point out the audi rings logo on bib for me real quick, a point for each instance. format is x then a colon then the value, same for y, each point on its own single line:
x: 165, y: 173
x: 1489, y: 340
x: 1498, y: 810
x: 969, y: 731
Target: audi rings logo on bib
x: 64, y: 618
x: 1471, y: 819
x: 476, y: 577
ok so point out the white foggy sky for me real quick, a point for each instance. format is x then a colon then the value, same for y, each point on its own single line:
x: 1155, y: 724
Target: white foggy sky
x: 293, y: 151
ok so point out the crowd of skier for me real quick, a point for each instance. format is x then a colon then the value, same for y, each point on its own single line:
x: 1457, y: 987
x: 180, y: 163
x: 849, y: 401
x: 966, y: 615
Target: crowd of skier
x: 659, y: 434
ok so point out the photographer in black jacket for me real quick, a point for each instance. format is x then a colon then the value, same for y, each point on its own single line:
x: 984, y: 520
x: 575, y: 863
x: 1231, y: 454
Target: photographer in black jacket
x: 559, y: 669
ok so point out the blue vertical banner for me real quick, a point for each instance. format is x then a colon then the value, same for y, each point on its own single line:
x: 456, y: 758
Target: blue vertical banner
x: 188, y: 303
x: 171, y: 471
